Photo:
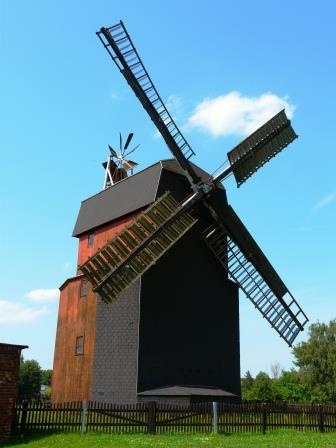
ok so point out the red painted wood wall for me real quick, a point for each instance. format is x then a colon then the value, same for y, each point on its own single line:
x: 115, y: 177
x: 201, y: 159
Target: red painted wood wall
x: 101, y: 236
x: 73, y: 374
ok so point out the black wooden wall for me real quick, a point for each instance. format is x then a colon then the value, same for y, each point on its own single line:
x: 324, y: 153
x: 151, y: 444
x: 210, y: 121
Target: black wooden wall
x: 189, y: 314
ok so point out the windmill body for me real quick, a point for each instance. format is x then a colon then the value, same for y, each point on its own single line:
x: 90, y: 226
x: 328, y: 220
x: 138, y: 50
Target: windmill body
x: 173, y: 333
x: 163, y: 254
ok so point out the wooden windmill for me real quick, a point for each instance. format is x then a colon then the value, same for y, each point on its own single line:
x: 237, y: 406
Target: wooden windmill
x: 165, y: 254
x: 133, y: 251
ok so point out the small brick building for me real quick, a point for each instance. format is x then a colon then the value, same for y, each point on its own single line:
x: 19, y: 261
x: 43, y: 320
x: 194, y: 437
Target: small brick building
x: 9, y: 375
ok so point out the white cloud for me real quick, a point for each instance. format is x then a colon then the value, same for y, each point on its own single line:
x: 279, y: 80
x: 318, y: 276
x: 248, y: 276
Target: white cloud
x: 43, y: 295
x: 234, y: 113
x: 326, y: 200
x: 15, y: 312
x: 174, y: 105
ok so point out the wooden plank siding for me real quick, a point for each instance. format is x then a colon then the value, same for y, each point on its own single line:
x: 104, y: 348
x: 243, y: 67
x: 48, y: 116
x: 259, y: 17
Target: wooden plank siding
x: 101, y: 236
x: 72, y: 374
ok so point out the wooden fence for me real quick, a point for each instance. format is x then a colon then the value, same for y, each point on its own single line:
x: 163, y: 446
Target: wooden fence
x: 160, y: 418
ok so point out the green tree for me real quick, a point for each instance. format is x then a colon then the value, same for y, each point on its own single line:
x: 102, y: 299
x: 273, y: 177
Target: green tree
x: 46, y: 377
x: 263, y: 389
x: 29, y: 379
x: 291, y: 386
x: 316, y: 359
x: 47, y: 393
x: 246, y: 384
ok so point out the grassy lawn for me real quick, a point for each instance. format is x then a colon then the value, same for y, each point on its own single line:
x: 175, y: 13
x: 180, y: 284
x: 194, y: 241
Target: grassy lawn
x: 276, y: 439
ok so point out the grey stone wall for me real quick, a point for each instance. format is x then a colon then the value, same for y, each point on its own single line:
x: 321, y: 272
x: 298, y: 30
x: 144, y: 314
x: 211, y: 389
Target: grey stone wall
x: 116, y: 348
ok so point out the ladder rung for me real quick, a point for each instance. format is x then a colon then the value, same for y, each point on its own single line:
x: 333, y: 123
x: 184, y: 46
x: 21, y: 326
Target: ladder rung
x: 128, y: 53
x: 117, y: 34
x: 108, y: 257
x: 129, y: 58
x: 124, y: 47
x: 120, y: 248
x: 113, y: 253
x: 122, y: 39
x: 141, y: 70
x: 138, y: 232
x: 142, y: 77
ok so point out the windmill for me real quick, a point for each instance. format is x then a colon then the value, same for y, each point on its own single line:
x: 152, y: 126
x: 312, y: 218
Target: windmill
x: 128, y: 255
x: 116, y: 167
x: 153, y: 310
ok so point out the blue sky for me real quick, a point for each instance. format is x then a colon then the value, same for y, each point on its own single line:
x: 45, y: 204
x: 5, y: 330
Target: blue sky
x: 63, y: 100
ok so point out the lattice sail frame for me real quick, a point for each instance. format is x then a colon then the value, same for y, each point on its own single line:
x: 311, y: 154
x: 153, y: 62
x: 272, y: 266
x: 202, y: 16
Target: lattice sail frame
x: 245, y: 159
x: 257, y: 149
x: 282, y: 311
x: 120, y: 47
x: 122, y: 260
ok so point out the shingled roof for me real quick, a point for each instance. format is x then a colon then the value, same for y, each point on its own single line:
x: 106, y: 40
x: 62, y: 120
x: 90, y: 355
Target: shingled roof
x: 126, y: 196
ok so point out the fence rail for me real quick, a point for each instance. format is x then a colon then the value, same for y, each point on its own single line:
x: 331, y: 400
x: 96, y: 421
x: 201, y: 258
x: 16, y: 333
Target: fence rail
x: 154, y: 417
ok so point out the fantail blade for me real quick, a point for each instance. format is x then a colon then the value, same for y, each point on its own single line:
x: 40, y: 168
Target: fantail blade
x: 128, y: 141
x: 112, y: 151
x: 129, y: 165
x: 132, y: 150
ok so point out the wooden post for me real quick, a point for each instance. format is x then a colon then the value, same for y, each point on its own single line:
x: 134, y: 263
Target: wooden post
x: 151, y: 424
x: 264, y: 418
x: 321, y: 419
x: 23, y: 417
x: 83, y: 416
x: 214, y: 416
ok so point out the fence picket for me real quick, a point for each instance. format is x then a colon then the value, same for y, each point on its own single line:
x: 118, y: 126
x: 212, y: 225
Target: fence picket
x: 154, y: 417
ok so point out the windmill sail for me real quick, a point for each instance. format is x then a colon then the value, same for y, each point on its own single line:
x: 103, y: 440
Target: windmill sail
x: 240, y: 255
x: 118, y: 43
x: 140, y: 245
x: 134, y: 250
x: 257, y: 149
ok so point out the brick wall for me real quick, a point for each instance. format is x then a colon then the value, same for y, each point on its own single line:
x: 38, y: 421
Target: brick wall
x: 9, y: 375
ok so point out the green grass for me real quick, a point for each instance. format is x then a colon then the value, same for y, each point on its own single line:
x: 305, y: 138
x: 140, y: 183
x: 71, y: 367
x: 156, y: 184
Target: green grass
x: 275, y: 439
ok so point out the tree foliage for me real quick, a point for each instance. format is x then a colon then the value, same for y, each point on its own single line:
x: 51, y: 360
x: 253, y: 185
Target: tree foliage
x: 30, y: 377
x: 46, y: 377
x: 314, y: 379
x: 262, y: 389
x: 291, y: 387
x: 246, y: 383
x: 316, y: 359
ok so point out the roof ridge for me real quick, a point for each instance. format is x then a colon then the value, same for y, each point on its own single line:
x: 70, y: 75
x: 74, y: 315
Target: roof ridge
x: 128, y: 177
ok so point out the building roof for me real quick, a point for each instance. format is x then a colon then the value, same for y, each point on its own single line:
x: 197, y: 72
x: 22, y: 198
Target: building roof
x: 70, y: 279
x: 186, y: 391
x: 126, y: 196
x: 10, y: 346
